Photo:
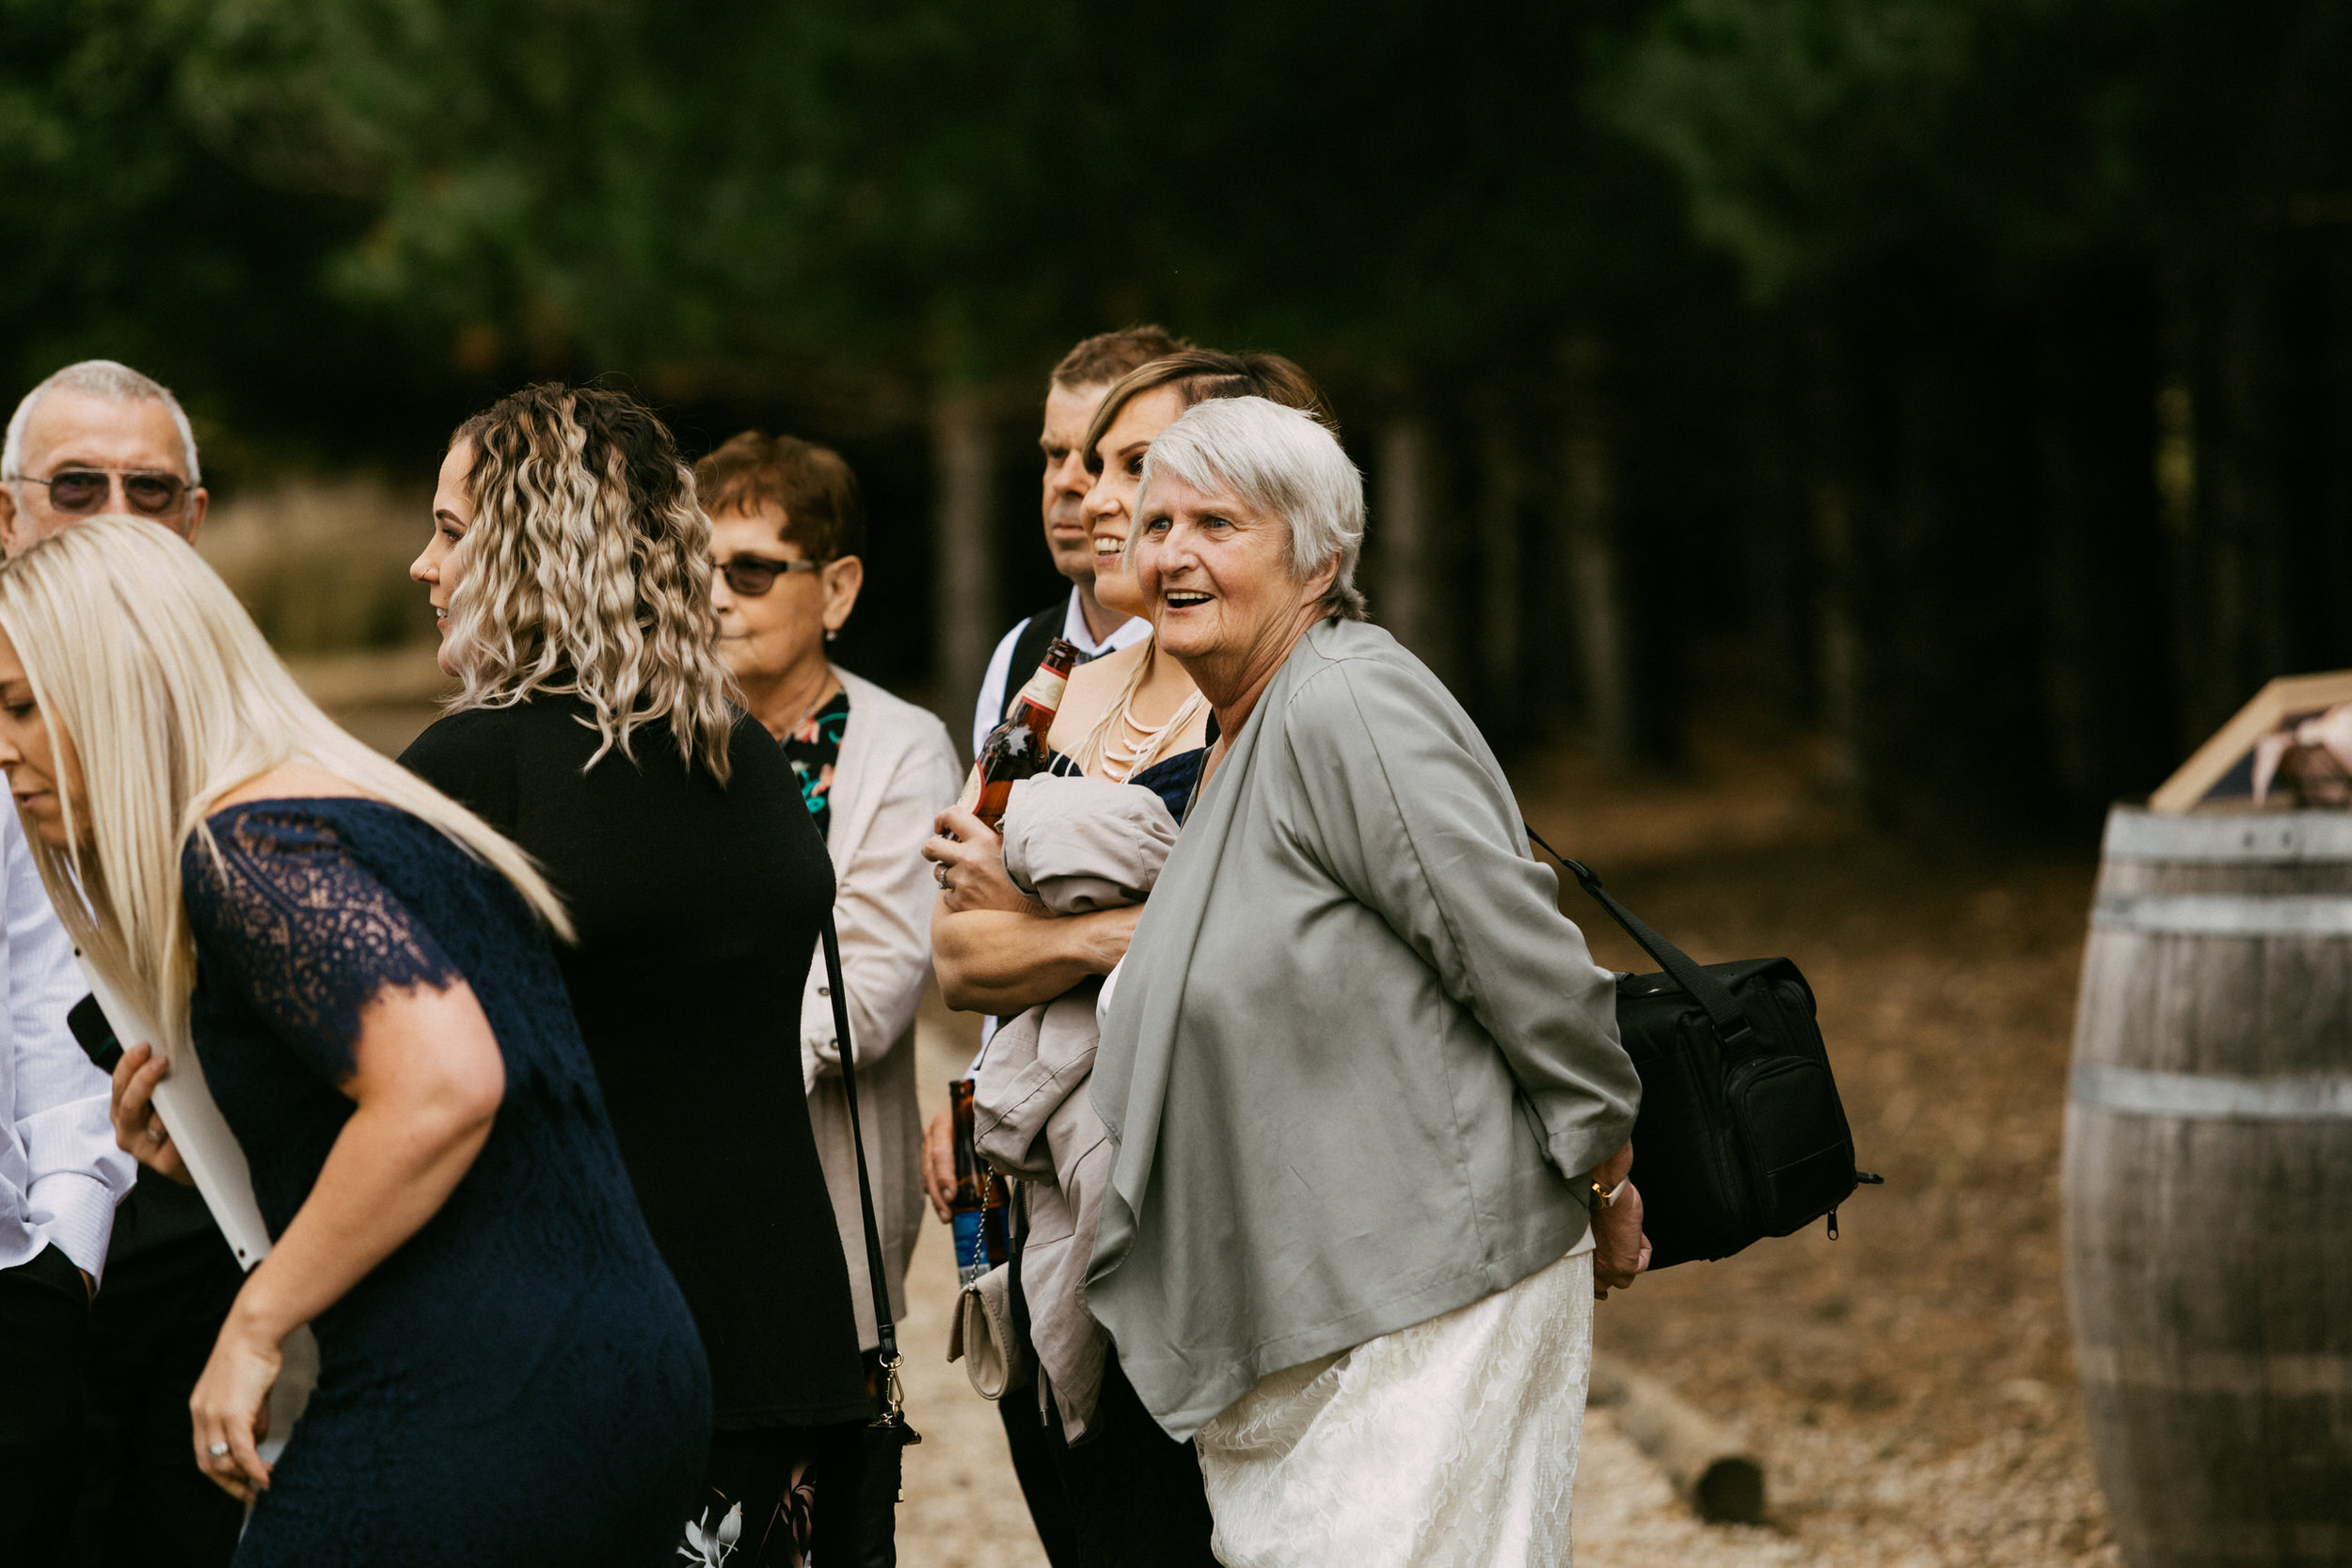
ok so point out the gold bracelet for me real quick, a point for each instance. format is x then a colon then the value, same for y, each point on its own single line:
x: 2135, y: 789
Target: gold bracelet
x: 1606, y: 1198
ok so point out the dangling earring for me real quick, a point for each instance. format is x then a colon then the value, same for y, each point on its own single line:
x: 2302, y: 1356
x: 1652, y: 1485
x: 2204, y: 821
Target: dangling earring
x: 832, y: 632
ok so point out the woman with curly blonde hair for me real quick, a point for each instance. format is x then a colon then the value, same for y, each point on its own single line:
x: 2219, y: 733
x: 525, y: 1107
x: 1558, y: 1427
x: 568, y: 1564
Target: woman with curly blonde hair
x: 570, y: 570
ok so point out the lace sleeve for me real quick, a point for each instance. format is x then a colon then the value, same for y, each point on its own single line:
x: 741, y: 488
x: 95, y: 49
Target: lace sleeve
x: 292, y: 918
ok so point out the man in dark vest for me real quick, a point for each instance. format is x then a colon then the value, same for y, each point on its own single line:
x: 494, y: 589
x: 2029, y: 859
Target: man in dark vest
x: 1071, y: 396
x: 100, y: 438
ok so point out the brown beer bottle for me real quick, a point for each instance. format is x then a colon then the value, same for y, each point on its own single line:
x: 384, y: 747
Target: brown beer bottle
x: 1015, y: 749
x: 977, y: 1211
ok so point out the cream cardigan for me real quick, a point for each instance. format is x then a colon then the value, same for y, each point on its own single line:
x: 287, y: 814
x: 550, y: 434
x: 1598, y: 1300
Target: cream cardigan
x: 895, y: 773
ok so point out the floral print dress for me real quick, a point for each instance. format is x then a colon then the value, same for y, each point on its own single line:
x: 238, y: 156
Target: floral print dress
x: 814, y: 747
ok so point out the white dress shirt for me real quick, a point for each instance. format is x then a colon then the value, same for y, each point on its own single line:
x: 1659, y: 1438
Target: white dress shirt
x: 60, y: 1173
x: 991, y: 709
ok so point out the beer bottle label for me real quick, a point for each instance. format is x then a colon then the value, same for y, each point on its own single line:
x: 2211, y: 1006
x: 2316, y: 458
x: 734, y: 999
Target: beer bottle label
x: 972, y: 1258
x: 1045, y: 689
x: 971, y: 796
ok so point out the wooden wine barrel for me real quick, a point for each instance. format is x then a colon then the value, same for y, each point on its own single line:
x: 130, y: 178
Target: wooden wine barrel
x: 2209, y: 1187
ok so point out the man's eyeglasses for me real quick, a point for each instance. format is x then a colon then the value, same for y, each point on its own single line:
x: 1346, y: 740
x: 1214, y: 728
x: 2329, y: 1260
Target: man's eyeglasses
x: 79, y: 492
x: 752, y: 575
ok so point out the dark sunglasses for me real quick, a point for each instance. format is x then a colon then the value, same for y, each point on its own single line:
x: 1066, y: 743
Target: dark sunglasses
x: 80, y: 491
x: 752, y: 575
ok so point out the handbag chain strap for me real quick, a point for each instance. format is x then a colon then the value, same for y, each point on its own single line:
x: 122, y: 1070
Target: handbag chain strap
x: 894, y: 1399
x: 1730, y: 1018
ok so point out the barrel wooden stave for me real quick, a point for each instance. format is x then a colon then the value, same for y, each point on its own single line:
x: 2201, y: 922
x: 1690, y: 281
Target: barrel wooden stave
x: 2210, y: 1255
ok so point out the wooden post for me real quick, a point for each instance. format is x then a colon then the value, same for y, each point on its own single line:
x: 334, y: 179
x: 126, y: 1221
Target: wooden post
x: 963, y: 599
x: 1715, y: 1473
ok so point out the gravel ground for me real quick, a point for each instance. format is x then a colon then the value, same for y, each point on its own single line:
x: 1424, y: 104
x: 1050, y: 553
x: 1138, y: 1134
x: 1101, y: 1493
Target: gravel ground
x: 963, y: 1507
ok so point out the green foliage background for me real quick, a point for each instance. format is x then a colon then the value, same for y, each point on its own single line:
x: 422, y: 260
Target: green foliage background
x: 1936, y: 261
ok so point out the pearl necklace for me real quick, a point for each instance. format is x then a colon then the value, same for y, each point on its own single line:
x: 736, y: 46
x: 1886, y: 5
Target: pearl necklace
x: 1118, y: 758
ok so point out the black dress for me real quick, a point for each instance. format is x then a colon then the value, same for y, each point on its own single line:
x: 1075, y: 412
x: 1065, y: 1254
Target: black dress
x: 1133, y: 1495
x: 518, y: 1383
x: 697, y: 909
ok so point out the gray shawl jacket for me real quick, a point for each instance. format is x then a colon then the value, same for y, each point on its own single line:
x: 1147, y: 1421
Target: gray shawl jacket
x: 1356, y: 1060
x: 1079, y: 845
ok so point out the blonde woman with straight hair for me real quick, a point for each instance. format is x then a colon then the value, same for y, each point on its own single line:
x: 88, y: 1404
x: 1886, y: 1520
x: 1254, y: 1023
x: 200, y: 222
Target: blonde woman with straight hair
x: 570, y: 570
x: 361, y: 966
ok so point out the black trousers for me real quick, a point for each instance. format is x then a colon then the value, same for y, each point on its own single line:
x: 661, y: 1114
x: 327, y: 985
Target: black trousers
x: 1134, y: 1493
x: 757, y: 1470
x: 44, y: 1324
x: 169, y: 1283
x: 1127, y: 1495
x: 1037, y: 1450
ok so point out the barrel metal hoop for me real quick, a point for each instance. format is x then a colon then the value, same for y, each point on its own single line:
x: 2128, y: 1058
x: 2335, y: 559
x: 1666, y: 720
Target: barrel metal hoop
x: 2209, y: 1096
x: 2208, y: 1371
x: 2225, y: 914
x: 2257, y: 838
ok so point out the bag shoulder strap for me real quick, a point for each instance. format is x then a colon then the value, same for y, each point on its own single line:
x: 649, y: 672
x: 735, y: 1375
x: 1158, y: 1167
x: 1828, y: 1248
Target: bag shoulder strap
x: 878, y: 1276
x: 1730, y: 1018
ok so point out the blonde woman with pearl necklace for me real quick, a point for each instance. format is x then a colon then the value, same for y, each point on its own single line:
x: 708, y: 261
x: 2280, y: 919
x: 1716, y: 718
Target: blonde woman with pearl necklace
x: 1132, y: 716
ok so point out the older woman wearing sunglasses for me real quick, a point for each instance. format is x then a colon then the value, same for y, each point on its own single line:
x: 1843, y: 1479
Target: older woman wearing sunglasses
x: 786, y: 529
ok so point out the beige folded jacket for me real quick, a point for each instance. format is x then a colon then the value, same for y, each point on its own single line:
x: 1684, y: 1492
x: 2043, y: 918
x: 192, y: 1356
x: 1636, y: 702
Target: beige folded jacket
x: 1077, y: 844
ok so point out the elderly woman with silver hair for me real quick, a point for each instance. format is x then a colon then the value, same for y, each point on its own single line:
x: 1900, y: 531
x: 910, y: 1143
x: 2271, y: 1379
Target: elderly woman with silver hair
x: 1371, y: 1111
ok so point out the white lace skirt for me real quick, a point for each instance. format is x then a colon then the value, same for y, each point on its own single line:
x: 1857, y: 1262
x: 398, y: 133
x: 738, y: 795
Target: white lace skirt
x: 1451, y: 1444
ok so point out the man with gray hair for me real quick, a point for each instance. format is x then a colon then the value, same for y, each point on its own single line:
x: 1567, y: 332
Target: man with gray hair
x: 98, y: 437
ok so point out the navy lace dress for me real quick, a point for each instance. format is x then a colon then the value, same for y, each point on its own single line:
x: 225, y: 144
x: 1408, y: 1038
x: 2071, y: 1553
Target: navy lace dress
x: 520, y: 1382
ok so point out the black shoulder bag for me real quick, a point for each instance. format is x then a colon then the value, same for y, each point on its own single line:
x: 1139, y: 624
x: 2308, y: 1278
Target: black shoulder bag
x: 888, y: 1435
x: 1741, y: 1135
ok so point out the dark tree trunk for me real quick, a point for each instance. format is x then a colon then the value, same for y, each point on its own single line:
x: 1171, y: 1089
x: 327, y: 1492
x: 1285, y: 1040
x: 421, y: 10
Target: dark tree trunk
x: 1779, y: 589
x: 1837, y: 491
x: 2315, y: 435
x: 2180, y: 334
x: 2106, y: 686
x: 1502, y: 579
x: 1410, y: 598
x: 1588, y: 532
x: 1930, y: 536
x: 965, y: 595
x: 2221, y: 479
x: 2335, y: 447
